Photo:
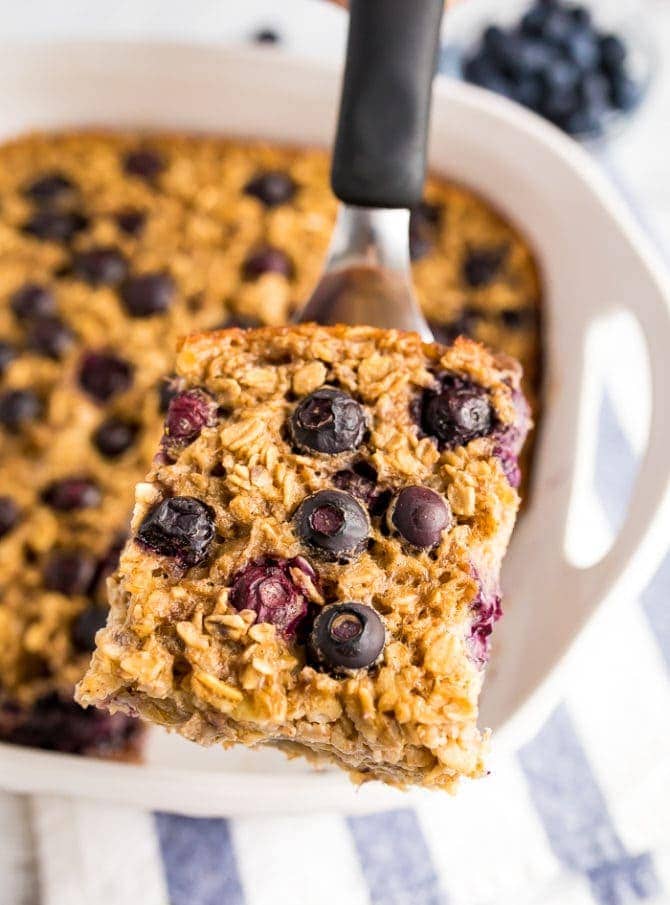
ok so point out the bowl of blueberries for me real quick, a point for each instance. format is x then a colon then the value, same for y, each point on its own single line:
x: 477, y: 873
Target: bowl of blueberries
x: 585, y: 68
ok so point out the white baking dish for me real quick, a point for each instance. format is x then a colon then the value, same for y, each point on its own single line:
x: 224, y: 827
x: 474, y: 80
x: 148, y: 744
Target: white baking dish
x: 594, y: 261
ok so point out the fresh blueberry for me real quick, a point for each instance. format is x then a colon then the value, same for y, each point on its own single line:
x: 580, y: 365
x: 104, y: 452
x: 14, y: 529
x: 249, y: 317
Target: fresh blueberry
x: 131, y: 221
x: 556, y: 105
x: 582, y: 122
x: 419, y: 515
x: 456, y: 413
x: 582, y: 48
x: 180, y: 527
x: 85, y: 627
x: 274, y: 589
x: 52, y: 225
x: 482, y: 265
x: 272, y: 188
x: 327, y: 421
x: 33, y: 300
x: 50, y: 188
x: 346, y: 636
x: 103, y: 375
x: 267, y: 259
x: 49, y: 336
x: 624, y: 92
x: 612, y: 53
x: 266, y: 36
x: 533, y: 21
x: 528, y: 91
x: 561, y: 76
x: 100, y: 266
x: 360, y: 481
x: 187, y: 414
x: 145, y: 163
x: 333, y: 523
x: 70, y: 494
x: 558, y: 26
x: 17, y: 408
x: 9, y: 514
x: 147, y: 294
x: 69, y: 571
x: 594, y: 93
x: 114, y: 436
x: 7, y: 355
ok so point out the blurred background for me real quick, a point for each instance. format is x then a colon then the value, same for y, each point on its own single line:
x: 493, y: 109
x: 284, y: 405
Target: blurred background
x: 581, y: 813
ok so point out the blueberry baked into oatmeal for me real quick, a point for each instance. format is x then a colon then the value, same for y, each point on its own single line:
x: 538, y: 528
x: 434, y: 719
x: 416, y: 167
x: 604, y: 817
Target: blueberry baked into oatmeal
x: 111, y: 246
x: 314, y: 557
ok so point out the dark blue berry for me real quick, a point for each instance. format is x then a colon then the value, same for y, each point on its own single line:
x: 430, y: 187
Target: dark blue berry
x: 360, y: 480
x: 624, y: 93
x: 346, y: 636
x: 266, y: 36
x: 272, y: 188
x: 70, y: 494
x: 114, y: 437
x: 50, y: 188
x: 482, y: 265
x: 55, y: 225
x: 49, y: 336
x: 267, y: 260
x: 9, y: 514
x: 333, y: 523
x: 419, y: 515
x: 69, y: 571
x: 18, y: 408
x: 147, y: 294
x: 277, y: 590
x: 328, y: 421
x: 612, y: 53
x: 131, y: 221
x: 145, y: 163
x: 458, y: 412
x: 33, y: 300
x: 180, y: 527
x: 100, y: 266
x: 103, y: 375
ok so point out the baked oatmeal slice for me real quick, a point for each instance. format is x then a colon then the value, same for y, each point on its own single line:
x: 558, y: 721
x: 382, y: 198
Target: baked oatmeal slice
x: 314, y: 558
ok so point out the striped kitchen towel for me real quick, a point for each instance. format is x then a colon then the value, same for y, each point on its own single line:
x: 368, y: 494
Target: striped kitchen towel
x: 580, y: 814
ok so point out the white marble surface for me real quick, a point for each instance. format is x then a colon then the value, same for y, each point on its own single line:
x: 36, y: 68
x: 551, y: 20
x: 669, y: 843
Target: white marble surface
x: 639, y: 161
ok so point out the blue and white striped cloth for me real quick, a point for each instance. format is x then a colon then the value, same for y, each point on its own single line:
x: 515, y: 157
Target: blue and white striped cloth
x: 580, y: 815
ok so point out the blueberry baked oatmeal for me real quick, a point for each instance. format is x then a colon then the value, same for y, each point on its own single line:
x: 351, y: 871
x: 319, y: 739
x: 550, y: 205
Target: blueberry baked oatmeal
x: 111, y: 246
x: 314, y: 558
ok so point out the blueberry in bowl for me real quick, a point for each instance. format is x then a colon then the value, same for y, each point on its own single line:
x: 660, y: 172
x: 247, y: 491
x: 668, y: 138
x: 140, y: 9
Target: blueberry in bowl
x: 559, y: 60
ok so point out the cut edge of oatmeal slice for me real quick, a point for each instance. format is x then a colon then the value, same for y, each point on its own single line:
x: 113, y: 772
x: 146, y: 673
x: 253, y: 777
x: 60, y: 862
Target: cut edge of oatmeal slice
x: 314, y: 558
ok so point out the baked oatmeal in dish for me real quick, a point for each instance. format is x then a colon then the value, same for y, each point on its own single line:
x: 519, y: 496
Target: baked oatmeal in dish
x: 112, y: 246
x: 314, y: 558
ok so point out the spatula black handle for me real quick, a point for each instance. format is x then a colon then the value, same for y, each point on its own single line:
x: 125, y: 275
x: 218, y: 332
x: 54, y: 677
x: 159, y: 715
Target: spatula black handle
x: 380, y: 148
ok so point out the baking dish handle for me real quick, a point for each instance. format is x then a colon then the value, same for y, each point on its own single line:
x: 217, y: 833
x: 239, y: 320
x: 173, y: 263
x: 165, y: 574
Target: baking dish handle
x: 379, y: 159
x: 644, y: 536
